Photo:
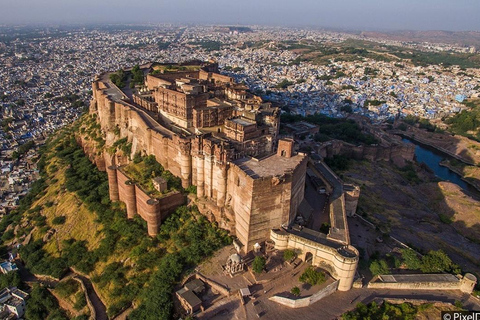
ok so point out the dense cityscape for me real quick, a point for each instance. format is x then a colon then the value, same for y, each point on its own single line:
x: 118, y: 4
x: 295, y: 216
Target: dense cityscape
x: 47, y: 74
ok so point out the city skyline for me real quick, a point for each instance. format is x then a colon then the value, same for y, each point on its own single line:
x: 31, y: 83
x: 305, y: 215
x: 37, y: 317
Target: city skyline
x: 349, y: 14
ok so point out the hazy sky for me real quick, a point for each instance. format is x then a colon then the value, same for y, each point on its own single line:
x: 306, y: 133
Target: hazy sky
x: 352, y: 14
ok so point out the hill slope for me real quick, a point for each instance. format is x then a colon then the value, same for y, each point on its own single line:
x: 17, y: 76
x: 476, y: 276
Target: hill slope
x: 73, y: 224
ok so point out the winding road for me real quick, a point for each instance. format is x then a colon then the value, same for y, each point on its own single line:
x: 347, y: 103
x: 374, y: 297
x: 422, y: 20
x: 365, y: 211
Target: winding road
x: 30, y: 278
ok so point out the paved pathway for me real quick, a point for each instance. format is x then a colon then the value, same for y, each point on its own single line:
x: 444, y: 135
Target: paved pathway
x: 333, y: 306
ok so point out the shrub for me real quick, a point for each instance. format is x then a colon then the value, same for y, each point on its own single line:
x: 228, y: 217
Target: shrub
x: 288, y: 255
x: 258, y: 264
x: 325, y: 228
x: 312, y: 276
x: 444, y: 218
x: 191, y: 189
x: 59, y: 220
x: 411, y: 259
x: 458, y: 304
x: 379, y: 267
x: 295, y: 291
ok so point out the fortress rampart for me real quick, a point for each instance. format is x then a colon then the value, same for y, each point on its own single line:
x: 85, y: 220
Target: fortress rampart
x: 340, y: 261
x: 307, y: 301
x: 381, y: 152
x: 137, y: 201
x: 230, y: 161
x: 211, y: 162
x: 424, y: 282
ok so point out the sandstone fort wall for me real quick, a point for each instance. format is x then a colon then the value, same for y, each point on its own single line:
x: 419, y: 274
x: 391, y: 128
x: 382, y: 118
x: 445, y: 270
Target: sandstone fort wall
x: 257, y: 204
x: 422, y: 282
x: 305, y: 302
x: 137, y: 201
x: 341, y: 263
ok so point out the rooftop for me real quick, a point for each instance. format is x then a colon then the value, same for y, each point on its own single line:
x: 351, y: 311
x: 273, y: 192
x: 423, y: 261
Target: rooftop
x: 196, y: 286
x: 190, y: 298
x: 7, y: 266
x: 270, y: 166
x: 243, y: 121
x: 416, y: 278
x: 14, y: 302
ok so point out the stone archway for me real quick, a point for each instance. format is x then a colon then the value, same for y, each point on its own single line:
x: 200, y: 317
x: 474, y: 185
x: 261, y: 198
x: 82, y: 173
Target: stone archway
x: 309, y: 257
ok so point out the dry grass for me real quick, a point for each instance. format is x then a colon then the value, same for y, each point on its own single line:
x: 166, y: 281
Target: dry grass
x: 432, y: 312
x: 413, y: 212
x: 68, y: 302
x: 80, y: 222
x: 466, y: 210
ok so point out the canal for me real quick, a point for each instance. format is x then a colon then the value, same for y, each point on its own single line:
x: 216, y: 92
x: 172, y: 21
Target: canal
x: 432, y: 158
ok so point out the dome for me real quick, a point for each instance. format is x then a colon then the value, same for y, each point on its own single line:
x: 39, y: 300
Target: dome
x: 470, y: 277
x: 235, y: 258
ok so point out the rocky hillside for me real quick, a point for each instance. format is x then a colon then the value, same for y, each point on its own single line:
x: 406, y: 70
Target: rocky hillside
x: 68, y: 222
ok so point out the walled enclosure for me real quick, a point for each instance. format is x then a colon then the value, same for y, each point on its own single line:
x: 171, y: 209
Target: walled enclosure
x: 261, y: 194
x: 339, y: 260
x: 425, y: 282
x: 137, y: 201
x: 204, y: 160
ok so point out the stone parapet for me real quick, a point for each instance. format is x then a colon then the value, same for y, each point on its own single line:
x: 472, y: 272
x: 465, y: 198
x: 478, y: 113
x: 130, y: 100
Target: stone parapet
x: 340, y: 261
x: 126, y: 192
x: 307, y: 301
x: 424, y: 282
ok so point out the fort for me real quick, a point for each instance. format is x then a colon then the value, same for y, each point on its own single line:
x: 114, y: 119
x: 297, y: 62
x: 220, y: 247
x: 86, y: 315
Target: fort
x: 215, y: 135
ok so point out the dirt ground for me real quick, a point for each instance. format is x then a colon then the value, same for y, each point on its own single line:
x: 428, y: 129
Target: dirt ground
x: 279, y: 280
x: 427, y: 216
x: 465, y: 148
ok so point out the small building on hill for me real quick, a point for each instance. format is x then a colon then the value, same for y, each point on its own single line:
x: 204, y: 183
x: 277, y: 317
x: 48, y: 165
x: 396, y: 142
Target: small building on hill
x: 188, y: 296
x: 12, y: 303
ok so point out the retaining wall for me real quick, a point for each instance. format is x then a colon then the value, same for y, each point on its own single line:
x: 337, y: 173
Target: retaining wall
x: 305, y: 302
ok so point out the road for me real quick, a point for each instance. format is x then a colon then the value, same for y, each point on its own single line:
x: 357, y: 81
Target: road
x: 319, y: 204
x: 30, y: 278
x: 100, y: 309
x: 333, y: 306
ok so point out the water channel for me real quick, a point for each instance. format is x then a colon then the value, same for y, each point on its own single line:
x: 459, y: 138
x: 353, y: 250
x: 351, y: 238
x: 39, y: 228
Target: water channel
x: 432, y: 158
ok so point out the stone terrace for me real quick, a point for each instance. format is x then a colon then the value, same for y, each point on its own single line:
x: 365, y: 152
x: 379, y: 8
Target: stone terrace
x: 267, y: 167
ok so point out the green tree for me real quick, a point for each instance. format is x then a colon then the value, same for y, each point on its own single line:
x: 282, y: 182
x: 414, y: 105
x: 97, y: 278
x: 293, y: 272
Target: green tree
x: 436, y: 261
x: 295, y: 291
x: 8, y: 235
x: 137, y: 157
x: 284, y: 83
x: 42, y: 305
x: 10, y: 279
x: 386, y: 310
x: 258, y: 264
x: 379, y: 267
x: 411, y: 259
x: 59, y: 220
x: 288, y: 255
x: 67, y: 287
x: 312, y: 276
x: 346, y: 108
